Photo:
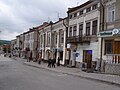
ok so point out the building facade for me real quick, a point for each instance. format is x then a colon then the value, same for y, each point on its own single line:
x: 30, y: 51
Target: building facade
x: 110, y: 35
x: 53, y: 40
x: 82, y: 42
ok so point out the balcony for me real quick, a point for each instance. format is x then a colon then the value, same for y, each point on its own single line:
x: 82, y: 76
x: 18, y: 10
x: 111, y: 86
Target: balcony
x: 78, y: 39
x: 113, y: 58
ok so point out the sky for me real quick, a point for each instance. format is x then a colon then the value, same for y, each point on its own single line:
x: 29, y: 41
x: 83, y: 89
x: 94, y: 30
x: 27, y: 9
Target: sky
x: 17, y: 16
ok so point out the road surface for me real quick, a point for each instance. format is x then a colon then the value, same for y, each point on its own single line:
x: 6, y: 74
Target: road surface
x: 14, y: 75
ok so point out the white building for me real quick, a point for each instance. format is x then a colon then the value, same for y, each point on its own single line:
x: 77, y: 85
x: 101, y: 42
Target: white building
x: 53, y: 40
x: 82, y: 42
x: 30, y: 41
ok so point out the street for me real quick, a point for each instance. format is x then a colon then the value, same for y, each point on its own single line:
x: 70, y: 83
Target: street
x: 14, y: 75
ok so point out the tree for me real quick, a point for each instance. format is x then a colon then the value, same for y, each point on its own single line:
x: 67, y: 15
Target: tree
x: 1, y: 42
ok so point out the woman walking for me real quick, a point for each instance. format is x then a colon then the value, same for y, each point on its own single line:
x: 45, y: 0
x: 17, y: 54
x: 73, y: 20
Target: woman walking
x: 39, y: 58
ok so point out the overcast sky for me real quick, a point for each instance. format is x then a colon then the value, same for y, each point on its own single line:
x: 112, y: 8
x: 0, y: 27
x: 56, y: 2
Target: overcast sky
x: 17, y: 16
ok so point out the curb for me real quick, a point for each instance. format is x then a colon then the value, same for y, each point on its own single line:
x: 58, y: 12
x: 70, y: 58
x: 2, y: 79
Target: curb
x: 88, y: 78
x: 14, y: 58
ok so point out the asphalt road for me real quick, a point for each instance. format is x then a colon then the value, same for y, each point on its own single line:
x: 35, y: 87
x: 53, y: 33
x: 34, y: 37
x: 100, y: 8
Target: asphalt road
x: 16, y: 76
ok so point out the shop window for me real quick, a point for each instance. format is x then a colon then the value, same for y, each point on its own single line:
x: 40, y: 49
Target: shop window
x: 109, y: 47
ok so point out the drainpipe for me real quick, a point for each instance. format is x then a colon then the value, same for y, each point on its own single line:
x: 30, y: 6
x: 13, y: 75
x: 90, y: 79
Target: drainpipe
x: 66, y: 31
x: 101, y: 29
x: 37, y: 46
x: 51, y: 33
x: 44, y: 42
x: 51, y: 44
x: 65, y: 39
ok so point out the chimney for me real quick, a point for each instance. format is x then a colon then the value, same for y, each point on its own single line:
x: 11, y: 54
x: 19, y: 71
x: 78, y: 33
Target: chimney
x: 60, y: 19
x: 44, y: 23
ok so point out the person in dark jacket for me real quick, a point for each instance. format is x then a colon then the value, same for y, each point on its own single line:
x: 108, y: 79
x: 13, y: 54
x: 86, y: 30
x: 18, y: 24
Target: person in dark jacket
x: 49, y: 62
x: 58, y: 63
x: 53, y: 62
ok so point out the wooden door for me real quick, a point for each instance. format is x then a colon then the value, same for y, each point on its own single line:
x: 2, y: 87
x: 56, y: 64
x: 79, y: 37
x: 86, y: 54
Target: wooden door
x: 87, y: 57
x: 116, y: 50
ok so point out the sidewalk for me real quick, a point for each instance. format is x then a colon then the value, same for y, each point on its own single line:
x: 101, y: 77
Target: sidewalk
x: 106, y: 78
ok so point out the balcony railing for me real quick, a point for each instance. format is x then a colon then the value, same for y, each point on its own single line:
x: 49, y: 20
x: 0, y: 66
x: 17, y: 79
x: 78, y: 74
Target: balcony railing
x: 113, y: 58
x: 79, y: 39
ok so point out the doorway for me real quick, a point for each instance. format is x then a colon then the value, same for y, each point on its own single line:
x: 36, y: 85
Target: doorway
x: 87, y: 58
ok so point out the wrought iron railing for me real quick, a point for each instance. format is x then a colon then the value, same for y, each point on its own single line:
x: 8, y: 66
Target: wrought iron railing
x: 78, y: 39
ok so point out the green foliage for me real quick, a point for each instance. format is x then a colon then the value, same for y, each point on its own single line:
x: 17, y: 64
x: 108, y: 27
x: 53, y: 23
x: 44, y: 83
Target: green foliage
x: 4, y: 42
x: 1, y: 43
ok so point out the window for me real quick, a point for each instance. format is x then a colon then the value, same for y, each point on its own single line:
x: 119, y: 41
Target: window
x: 41, y: 37
x: 74, y: 30
x: 81, y: 12
x: 94, y: 27
x: 61, y: 36
x: 56, y: 38
x: 88, y: 29
x: 80, y: 29
x: 109, y: 47
x: 75, y: 15
x: 70, y: 33
x: 88, y: 9
x: 48, y: 38
x: 111, y: 13
x: 70, y: 16
x: 94, y: 7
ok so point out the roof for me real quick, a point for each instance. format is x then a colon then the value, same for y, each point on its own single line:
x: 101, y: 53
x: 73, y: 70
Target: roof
x: 81, y: 6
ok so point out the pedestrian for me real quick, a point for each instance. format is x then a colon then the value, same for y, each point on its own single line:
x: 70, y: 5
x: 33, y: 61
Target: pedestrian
x: 27, y: 55
x: 53, y: 62
x: 49, y: 62
x: 30, y: 56
x: 39, y: 58
x: 58, y: 63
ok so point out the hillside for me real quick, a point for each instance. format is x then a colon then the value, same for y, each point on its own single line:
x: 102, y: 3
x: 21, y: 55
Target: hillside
x: 4, y: 42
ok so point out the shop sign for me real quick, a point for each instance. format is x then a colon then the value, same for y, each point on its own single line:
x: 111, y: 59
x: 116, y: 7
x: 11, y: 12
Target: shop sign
x: 115, y: 31
x: 68, y: 45
x: 109, y: 33
x: 105, y: 34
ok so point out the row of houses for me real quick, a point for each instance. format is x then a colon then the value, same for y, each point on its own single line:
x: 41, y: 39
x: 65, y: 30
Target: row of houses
x: 89, y: 35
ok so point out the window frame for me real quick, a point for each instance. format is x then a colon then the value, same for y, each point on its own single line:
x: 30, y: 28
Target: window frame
x: 108, y: 42
x: 75, y: 30
x: 88, y: 26
x: 88, y: 9
x: 110, y: 15
x: 70, y: 32
x: 81, y: 12
x: 80, y: 29
x: 94, y: 27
